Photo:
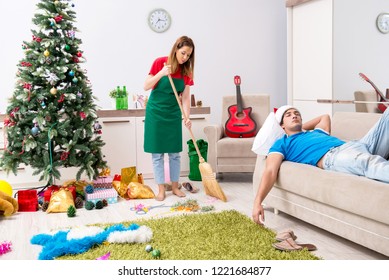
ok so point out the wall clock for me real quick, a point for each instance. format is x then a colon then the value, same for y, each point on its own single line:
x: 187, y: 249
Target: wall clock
x: 159, y: 20
x: 383, y: 22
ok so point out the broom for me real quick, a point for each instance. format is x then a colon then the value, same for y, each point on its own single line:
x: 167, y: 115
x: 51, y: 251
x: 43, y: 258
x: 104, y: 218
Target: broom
x: 211, y: 186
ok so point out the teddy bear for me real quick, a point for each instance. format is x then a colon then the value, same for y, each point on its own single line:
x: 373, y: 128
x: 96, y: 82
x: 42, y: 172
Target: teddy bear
x: 8, y: 204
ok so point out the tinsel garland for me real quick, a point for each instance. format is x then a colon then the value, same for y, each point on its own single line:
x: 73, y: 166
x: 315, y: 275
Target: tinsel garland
x: 5, y: 247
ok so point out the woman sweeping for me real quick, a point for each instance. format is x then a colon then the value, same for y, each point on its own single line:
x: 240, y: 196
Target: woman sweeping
x: 163, y: 122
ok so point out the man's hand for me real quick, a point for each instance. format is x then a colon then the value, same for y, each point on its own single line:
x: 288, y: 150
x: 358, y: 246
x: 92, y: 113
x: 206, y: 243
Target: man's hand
x: 258, y: 214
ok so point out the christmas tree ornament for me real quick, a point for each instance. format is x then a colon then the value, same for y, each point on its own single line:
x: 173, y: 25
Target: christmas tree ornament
x: 75, y: 59
x: 79, y: 54
x: 75, y: 80
x: 79, y: 94
x: 89, y: 189
x: 53, y: 91
x: 34, y: 130
x: 71, y: 34
x: 99, y: 204
x: 43, y: 104
x: 44, y: 206
x: 148, y: 248
x: 46, y: 53
x: 58, y: 19
x: 78, y: 202
x: 71, y: 73
x: 97, y: 125
x: 156, y: 254
x: 67, y: 48
x: 89, y: 205
x: 71, y: 212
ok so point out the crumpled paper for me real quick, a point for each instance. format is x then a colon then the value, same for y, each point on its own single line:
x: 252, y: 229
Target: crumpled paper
x: 138, y: 191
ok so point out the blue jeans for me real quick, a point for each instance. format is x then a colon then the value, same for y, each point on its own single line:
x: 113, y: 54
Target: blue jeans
x: 159, y: 167
x: 366, y: 156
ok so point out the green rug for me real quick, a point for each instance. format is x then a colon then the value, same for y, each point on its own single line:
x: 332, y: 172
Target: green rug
x: 226, y: 235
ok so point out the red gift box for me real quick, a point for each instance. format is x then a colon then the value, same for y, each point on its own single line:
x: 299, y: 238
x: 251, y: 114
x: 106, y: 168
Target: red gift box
x: 49, y: 191
x: 27, y: 200
x: 54, y: 188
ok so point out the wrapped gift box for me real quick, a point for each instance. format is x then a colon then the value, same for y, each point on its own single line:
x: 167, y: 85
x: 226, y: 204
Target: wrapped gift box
x: 103, y: 182
x: 110, y: 195
x: 28, y: 201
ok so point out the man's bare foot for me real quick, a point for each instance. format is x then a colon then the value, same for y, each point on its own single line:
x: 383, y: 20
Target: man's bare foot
x: 161, y: 193
x: 176, y: 190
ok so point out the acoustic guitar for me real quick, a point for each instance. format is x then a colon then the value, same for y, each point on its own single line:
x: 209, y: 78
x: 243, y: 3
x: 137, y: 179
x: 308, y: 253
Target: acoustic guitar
x: 240, y: 124
x: 381, y: 106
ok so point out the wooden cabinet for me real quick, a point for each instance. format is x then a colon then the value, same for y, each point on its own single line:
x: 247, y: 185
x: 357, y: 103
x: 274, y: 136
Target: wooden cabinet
x: 143, y: 160
x: 119, y: 135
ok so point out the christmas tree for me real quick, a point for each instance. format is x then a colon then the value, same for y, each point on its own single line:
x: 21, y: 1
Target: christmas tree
x: 51, y: 118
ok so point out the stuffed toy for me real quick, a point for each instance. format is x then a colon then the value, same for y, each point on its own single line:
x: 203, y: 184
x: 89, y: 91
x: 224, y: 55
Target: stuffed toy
x: 8, y: 204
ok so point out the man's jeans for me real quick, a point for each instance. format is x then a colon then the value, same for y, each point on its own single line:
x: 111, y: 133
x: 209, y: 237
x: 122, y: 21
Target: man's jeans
x: 365, y: 157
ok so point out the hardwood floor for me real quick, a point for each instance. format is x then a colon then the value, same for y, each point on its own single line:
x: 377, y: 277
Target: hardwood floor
x: 20, y: 227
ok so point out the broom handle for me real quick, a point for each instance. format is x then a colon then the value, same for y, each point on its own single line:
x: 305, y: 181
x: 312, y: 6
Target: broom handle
x: 185, y: 118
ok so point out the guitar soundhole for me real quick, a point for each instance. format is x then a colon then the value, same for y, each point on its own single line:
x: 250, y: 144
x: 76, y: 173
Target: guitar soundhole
x: 240, y: 115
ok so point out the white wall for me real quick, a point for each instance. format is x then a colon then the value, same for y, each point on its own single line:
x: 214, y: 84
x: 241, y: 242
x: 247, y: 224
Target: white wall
x: 359, y: 47
x: 233, y: 37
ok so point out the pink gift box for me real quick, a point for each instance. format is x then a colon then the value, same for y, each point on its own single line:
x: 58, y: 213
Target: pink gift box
x: 103, y: 182
x: 110, y: 195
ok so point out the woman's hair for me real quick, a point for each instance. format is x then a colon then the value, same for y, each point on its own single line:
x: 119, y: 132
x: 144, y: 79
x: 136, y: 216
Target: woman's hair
x: 187, y: 69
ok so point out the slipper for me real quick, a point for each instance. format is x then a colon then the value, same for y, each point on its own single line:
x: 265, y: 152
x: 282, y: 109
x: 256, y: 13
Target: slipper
x: 290, y: 245
x: 168, y: 187
x: 285, y: 235
x: 189, y: 187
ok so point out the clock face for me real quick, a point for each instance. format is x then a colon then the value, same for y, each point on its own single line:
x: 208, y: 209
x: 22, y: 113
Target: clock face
x: 383, y: 22
x: 159, y: 20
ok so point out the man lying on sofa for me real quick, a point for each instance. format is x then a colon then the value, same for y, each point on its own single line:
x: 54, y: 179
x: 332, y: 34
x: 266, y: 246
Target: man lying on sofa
x: 310, y: 143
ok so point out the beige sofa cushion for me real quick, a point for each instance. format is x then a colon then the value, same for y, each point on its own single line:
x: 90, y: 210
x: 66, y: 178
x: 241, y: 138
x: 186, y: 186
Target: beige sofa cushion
x: 343, y: 191
x: 235, y: 147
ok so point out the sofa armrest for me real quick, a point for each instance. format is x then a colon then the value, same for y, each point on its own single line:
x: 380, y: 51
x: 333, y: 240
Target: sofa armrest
x: 213, y: 133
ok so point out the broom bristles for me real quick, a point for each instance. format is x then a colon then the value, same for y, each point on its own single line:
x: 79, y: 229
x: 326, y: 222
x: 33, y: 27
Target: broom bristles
x: 211, y: 186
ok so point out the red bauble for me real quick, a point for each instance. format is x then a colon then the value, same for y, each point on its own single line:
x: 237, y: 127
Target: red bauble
x: 79, y: 54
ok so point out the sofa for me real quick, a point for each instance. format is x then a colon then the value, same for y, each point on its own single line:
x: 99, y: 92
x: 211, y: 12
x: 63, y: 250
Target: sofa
x: 353, y: 207
x: 229, y: 155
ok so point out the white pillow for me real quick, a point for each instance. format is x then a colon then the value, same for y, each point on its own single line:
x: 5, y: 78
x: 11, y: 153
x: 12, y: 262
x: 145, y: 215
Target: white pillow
x: 269, y: 133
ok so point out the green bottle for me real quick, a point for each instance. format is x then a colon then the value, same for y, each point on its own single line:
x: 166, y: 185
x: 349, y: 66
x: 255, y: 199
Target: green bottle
x: 125, y: 98
x: 118, y: 99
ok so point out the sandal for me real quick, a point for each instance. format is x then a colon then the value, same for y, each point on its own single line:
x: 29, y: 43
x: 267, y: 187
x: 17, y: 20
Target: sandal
x: 168, y: 187
x: 189, y: 187
x: 285, y: 235
x: 290, y: 245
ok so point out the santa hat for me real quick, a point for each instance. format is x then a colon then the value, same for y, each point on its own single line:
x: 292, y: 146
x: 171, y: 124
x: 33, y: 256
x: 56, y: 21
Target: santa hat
x: 281, y: 111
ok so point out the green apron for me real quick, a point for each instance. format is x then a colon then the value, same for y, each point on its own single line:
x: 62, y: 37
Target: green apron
x: 163, y: 122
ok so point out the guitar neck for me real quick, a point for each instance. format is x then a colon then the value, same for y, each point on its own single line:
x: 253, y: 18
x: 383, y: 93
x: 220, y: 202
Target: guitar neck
x: 239, y: 99
x: 375, y: 88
